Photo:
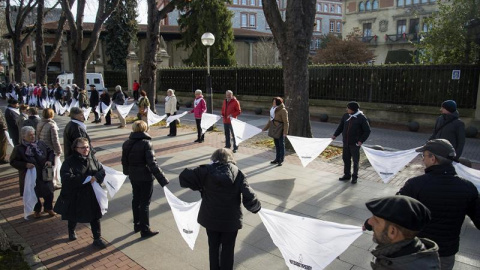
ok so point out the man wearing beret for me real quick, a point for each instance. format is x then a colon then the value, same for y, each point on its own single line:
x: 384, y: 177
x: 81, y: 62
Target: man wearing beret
x: 355, y: 131
x: 449, y: 127
x: 395, y: 223
x: 447, y: 196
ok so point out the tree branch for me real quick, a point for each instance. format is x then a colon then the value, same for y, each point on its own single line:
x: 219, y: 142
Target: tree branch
x: 67, y: 8
x: 275, y: 21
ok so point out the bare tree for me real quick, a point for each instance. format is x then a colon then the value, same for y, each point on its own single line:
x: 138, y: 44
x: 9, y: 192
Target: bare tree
x: 293, y: 36
x: 80, y: 55
x: 266, y: 51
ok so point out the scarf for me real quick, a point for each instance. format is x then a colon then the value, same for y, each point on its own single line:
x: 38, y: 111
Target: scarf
x: 354, y: 115
x: 15, y: 110
x: 272, y: 113
x: 197, y: 101
x: 81, y: 124
x: 32, y: 149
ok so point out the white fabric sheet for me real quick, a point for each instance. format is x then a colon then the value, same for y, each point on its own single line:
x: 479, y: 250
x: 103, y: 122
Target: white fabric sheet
x: 29, y: 196
x: 308, y: 149
x: 100, y: 194
x: 86, y: 112
x: 172, y: 118
x: 243, y: 131
x: 307, y: 243
x: 124, y: 109
x: 153, y: 118
x: 74, y: 103
x: 44, y: 103
x: 113, y: 180
x: 208, y: 120
x: 185, y: 215
x: 9, y: 139
x: 59, y: 108
x: 32, y: 101
x: 105, y: 108
x: 386, y: 163
x: 468, y: 173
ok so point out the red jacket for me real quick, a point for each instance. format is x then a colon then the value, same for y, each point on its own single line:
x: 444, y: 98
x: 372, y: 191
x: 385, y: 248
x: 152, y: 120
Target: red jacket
x: 136, y: 86
x: 230, y: 108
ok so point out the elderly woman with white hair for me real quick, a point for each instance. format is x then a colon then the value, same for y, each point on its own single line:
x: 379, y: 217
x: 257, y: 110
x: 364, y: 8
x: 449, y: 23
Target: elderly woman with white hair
x: 31, y: 153
x: 171, y: 109
x: 199, y: 107
x: 119, y: 99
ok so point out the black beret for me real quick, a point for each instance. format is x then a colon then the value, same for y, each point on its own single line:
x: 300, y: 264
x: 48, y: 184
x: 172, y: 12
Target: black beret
x: 354, y: 106
x: 401, y: 210
x: 92, y: 85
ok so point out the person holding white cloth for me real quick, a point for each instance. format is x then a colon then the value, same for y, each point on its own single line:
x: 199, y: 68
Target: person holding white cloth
x: 119, y: 99
x: 171, y: 109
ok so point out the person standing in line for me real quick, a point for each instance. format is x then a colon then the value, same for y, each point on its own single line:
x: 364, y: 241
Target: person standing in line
x: 140, y: 164
x: 67, y: 95
x: 11, y: 115
x: 75, y: 91
x: 59, y: 93
x: 74, y: 129
x: 136, y: 89
x: 448, y: 126
x: 33, y: 118
x: 3, y: 139
x: 230, y: 108
x: 23, y: 116
x: 47, y: 132
x: 94, y: 102
x: 105, y: 99
x: 355, y: 130
x: 171, y: 109
x: 278, y: 116
x: 83, y: 101
x: 449, y: 198
x: 119, y: 99
x: 143, y: 105
x: 223, y: 187
x: 199, y: 108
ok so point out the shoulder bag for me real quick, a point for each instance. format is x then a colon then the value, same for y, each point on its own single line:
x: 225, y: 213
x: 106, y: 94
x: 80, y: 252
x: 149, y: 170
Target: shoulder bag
x: 275, y: 131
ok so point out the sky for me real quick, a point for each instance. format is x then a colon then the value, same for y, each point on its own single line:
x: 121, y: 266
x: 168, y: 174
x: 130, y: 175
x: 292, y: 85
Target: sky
x: 92, y: 6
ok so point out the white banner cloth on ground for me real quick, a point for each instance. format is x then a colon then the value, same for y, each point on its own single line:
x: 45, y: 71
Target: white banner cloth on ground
x: 208, y: 120
x: 29, y: 196
x: 124, y: 109
x: 100, y: 194
x: 185, y: 215
x: 105, y: 108
x: 243, y: 131
x: 113, y: 180
x: 386, y: 163
x: 153, y: 118
x: 307, y: 243
x: 470, y: 174
x: 59, y: 108
x: 86, y: 112
x: 172, y: 118
x: 8, y: 138
x: 308, y: 149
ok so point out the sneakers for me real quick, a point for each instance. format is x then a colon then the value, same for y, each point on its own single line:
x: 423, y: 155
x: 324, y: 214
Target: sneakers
x: 344, y: 178
x: 99, y: 243
x: 149, y: 233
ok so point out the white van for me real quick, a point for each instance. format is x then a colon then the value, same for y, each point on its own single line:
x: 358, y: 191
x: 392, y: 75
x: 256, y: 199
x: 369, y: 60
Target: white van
x: 96, y: 79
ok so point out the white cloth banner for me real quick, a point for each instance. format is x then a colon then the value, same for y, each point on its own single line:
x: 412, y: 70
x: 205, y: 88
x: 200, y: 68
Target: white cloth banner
x: 386, y: 163
x: 59, y: 108
x: 308, y: 149
x: 100, y: 194
x: 44, y: 103
x: 56, y: 170
x: 24, y: 99
x: 243, y: 131
x: 172, y: 118
x: 113, y: 180
x: 307, y: 243
x: 29, y: 196
x: 8, y: 138
x: 470, y: 174
x: 153, y: 118
x: 32, y: 101
x: 86, y: 112
x: 208, y: 120
x: 185, y: 215
x: 105, y: 108
x: 74, y: 103
x: 124, y: 109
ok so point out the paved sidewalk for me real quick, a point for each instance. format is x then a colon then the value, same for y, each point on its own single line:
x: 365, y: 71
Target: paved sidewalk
x: 313, y: 192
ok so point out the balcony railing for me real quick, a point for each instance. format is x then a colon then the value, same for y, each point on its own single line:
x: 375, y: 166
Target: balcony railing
x: 370, y: 40
x: 402, y: 38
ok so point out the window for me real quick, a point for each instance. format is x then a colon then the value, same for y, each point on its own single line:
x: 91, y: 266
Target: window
x: 332, y: 26
x: 253, y: 21
x: 252, y: 3
x: 414, y: 26
x: 367, y: 29
x: 260, y: 3
x: 339, y: 9
x: 401, y: 27
x: 28, y: 51
x: 368, y: 5
x: 424, y: 1
x: 325, y: 8
x: 400, y: 3
x: 339, y: 26
x: 425, y: 27
x: 244, y: 2
x: 375, y: 5
x: 243, y: 20
x: 318, y: 25
x: 315, y: 44
x: 319, y: 7
x: 408, y: 2
x: 96, y: 81
x: 361, y: 6
x: 416, y: 1
x: 235, y: 2
x: 332, y: 9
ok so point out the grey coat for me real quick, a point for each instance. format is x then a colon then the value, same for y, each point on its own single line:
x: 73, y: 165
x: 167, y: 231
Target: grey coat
x: 453, y: 131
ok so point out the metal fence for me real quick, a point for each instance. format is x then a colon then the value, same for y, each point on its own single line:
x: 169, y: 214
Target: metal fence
x: 394, y: 84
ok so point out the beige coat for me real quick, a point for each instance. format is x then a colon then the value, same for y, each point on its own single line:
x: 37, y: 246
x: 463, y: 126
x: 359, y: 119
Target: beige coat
x: 281, y: 115
x: 47, y: 131
x: 171, y: 105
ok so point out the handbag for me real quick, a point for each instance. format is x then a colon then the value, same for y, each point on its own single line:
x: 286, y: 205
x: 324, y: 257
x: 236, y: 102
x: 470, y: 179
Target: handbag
x: 275, y: 131
x: 47, y: 173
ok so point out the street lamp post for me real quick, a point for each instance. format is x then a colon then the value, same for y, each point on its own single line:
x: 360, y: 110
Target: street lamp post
x: 207, y: 40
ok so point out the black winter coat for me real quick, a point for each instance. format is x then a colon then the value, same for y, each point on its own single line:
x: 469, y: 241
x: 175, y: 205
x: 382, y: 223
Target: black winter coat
x: 32, y: 121
x: 70, y: 133
x: 94, y: 98
x: 449, y: 199
x: 11, y: 118
x: 453, y: 131
x: 19, y: 161
x: 223, y: 187
x: 105, y: 98
x: 355, y: 130
x: 138, y: 159
x: 79, y: 199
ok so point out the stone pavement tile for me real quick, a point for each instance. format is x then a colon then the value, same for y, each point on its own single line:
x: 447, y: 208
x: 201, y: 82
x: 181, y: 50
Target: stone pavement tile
x: 356, y: 256
x: 252, y: 257
x: 337, y: 264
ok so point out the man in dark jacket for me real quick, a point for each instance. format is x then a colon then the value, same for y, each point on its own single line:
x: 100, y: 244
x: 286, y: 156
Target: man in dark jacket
x: 355, y: 130
x: 448, y: 197
x: 105, y: 99
x: 11, y: 114
x: 395, y: 223
x: 74, y: 129
x: 94, y: 100
x: 449, y: 127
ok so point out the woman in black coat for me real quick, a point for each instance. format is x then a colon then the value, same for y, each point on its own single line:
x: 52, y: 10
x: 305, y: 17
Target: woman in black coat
x: 222, y: 186
x: 31, y: 153
x: 139, y: 163
x: 77, y: 201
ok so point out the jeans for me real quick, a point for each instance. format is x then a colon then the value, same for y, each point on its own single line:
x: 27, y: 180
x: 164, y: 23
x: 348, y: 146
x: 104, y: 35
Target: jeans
x: 200, y: 136
x: 94, y: 226
x: 228, y: 129
x: 221, y: 246
x: 351, y: 152
x: 142, y: 194
x: 173, y: 125
x: 280, y: 148
x: 47, y: 204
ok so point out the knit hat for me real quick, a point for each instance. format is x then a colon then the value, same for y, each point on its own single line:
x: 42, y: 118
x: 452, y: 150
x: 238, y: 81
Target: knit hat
x: 354, y: 106
x: 450, y: 105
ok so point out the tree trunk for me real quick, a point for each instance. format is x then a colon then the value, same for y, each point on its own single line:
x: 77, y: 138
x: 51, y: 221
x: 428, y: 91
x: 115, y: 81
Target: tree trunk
x: 17, y: 62
x: 41, y: 66
x: 80, y: 70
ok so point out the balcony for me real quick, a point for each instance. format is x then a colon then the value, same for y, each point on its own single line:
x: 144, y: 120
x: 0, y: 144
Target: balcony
x: 370, y: 40
x: 402, y: 38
